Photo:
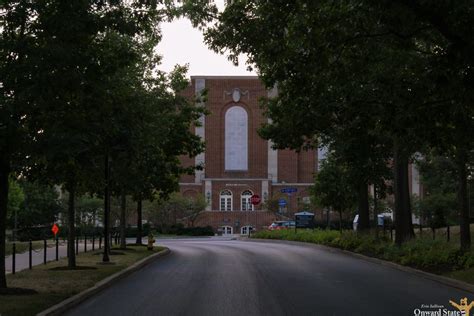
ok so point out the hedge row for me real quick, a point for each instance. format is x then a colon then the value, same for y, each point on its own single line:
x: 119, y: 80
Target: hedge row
x: 422, y: 253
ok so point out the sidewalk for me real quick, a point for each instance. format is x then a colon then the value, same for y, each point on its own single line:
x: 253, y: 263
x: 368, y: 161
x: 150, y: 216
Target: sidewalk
x: 22, y: 259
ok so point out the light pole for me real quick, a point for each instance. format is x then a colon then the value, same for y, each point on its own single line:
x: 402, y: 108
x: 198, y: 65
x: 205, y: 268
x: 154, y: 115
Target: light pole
x: 15, y: 227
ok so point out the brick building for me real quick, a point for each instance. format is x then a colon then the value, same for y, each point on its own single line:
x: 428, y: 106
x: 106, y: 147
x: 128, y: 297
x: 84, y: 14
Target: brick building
x: 237, y: 162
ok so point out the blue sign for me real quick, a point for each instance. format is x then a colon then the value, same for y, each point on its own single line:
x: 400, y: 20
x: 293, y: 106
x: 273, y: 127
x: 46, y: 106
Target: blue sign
x: 281, y: 202
x: 289, y: 190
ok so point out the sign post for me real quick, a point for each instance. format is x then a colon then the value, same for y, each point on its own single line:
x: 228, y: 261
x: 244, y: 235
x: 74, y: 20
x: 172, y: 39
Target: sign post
x: 55, y: 230
x: 255, y: 200
x: 281, y: 203
x: 289, y: 191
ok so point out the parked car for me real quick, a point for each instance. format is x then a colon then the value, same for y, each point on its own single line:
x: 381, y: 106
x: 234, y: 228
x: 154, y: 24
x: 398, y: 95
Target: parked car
x: 281, y: 225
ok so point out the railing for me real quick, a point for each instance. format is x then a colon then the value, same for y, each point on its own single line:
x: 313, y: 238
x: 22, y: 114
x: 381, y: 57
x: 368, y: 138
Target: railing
x: 87, y: 242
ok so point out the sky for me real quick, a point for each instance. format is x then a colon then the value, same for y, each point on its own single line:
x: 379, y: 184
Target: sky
x: 182, y: 44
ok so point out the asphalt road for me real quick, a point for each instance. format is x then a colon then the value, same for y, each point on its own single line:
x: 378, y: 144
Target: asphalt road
x: 232, y: 277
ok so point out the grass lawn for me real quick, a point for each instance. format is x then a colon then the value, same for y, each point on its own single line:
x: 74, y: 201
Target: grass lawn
x: 466, y: 275
x: 55, y: 285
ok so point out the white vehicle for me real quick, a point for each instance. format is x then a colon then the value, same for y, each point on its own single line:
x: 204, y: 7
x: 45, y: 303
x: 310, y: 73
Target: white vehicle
x: 355, y: 222
x: 383, y: 217
x: 390, y: 214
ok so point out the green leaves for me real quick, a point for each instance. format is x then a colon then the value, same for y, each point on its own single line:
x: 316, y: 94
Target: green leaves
x: 334, y: 186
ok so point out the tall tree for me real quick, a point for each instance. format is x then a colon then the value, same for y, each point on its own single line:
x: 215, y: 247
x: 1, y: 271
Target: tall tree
x: 16, y: 44
x: 333, y: 187
x: 362, y: 59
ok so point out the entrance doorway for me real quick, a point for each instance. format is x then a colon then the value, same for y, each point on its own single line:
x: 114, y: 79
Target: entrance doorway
x: 227, y: 230
x: 245, y: 230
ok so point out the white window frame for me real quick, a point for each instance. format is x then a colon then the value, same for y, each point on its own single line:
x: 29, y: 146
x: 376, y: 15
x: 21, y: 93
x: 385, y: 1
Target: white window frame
x: 225, y: 201
x: 245, y: 204
x: 244, y: 230
x: 225, y: 229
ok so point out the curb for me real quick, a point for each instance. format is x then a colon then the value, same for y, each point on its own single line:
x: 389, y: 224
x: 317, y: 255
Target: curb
x: 430, y: 276
x: 72, y: 301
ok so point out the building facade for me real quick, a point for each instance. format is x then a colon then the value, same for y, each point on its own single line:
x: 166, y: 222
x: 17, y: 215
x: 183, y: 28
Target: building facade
x: 238, y: 163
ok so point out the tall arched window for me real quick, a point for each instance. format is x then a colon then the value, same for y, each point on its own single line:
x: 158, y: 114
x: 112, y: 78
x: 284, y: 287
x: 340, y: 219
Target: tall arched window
x: 236, y: 139
x: 226, y: 200
x: 245, y: 204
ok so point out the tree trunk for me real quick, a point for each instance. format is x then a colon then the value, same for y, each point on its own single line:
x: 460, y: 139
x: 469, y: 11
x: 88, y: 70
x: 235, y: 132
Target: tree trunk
x: 340, y: 221
x: 105, y: 257
x: 461, y: 161
x: 376, y: 219
x: 71, y: 235
x: 375, y: 207
x: 328, y: 220
x: 364, y: 218
x: 4, y: 174
x: 139, y: 222
x: 123, y: 207
x: 403, y: 222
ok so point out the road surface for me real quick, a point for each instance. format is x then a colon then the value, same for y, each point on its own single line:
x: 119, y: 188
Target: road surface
x: 218, y: 276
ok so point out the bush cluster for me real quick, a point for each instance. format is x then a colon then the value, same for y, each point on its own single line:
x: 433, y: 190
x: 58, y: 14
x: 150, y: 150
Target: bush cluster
x: 431, y: 255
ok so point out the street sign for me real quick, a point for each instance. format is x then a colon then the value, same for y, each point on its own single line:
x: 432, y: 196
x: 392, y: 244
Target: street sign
x: 55, y: 229
x: 289, y: 190
x: 255, y: 199
x: 282, y: 202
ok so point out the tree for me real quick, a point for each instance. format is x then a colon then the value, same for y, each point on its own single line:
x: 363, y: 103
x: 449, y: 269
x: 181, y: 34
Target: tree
x: 438, y: 175
x: 272, y: 204
x: 363, y: 59
x: 16, y: 44
x: 149, y: 165
x: 40, y: 206
x: 101, y: 93
x: 74, y: 72
x: 16, y: 199
x: 452, y: 68
x: 332, y: 188
x: 89, y: 209
x: 195, y: 207
x: 63, y: 85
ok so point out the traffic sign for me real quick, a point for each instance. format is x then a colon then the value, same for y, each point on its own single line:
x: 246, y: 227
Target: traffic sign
x: 289, y: 190
x: 255, y: 199
x: 55, y: 229
x: 282, y: 202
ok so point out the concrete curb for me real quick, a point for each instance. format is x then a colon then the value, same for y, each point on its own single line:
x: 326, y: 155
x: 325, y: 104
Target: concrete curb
x: 434, y: 277
x: 69, y: 303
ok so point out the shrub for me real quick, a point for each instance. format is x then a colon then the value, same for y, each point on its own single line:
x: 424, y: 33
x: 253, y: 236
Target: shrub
x: 431, y: 255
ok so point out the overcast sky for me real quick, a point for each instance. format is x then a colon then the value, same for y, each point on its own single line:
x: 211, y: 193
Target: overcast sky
x: 182, y: 44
